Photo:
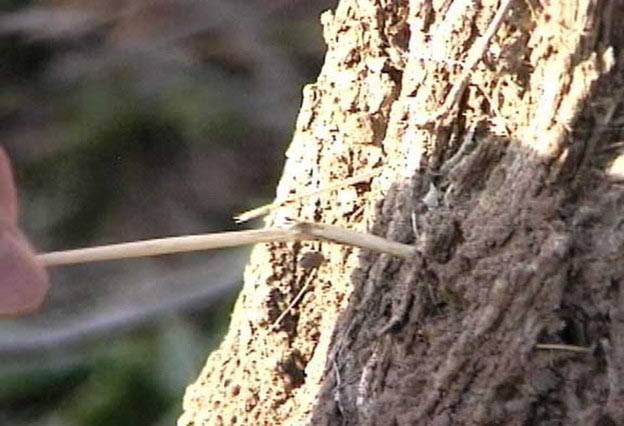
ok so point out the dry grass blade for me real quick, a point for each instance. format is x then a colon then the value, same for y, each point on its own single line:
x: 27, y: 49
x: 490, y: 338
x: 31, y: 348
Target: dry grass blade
x: 562, y: 347
x: 268, y: 208
x: 298, y: 231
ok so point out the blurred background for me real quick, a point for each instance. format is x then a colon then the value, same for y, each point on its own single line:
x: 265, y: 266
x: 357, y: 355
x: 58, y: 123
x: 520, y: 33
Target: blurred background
x: 133, y: 119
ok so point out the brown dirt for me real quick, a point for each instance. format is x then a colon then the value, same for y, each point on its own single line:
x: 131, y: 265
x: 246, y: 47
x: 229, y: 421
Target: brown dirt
x: 450, y: 338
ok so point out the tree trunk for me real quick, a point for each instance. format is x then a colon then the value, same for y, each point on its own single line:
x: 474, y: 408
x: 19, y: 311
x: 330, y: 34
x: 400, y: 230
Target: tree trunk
x: 513, y: 310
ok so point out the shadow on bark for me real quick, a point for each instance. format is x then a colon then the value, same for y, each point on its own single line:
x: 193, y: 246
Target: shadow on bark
x: 516, y: 252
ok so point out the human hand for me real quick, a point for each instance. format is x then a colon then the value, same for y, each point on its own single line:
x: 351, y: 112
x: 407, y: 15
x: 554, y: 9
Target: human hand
x: 23, y: 280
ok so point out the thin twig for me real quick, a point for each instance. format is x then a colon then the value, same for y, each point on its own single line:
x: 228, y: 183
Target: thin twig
x: 337, y: 392
x: 268, y: 208
x: 294, y: 302
x: 467, y: 144
x: 562, y: 347
x: 297, y: 232
x: 162, y: 246
x: 336, y: 234
x: 474, y: 56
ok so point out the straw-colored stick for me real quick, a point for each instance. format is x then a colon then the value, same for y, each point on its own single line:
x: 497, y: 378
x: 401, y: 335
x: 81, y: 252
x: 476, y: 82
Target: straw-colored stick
x: 268, y: 208
x: 474, y: 56
x: 320, y: 231
x: 562, y: 347
x: 160, y: 246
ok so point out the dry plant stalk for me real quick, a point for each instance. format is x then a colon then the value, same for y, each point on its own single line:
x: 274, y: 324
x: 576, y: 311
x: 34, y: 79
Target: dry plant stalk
x: 268, y: 208
x: 562, y: 347
x: 297, y: 232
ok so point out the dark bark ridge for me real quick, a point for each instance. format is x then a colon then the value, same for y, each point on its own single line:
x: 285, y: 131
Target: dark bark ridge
x: 517, y: 251
x: 451, y: 336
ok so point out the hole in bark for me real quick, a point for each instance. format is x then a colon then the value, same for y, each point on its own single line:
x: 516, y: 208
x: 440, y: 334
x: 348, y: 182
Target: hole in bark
x: 614, y: 287
x: 574, y: 331
x: 396, y: 75
x: 605, y: 420
x: 507, y: 391
x: 294, y: 369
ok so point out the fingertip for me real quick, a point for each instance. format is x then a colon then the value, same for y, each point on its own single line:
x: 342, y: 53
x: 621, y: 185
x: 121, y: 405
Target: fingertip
x: 23, y: 280
x: 8, y: 192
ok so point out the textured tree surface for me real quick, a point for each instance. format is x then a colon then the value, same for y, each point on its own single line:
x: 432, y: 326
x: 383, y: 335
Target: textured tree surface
x: 511, y: 189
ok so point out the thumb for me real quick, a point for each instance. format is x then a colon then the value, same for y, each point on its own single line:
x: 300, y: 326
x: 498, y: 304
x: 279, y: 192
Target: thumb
x: 8, y: 193
x: 23, y: 280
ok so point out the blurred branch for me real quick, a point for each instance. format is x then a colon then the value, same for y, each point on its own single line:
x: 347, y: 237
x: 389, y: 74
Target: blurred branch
x: 173, y: 292
x: 51, y: 22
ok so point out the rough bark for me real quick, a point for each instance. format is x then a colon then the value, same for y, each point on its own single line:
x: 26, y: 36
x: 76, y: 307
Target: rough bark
x: 510, y: 193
